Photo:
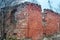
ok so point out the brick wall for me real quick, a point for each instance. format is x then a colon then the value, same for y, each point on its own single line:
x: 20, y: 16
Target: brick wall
x: 52, y: 22
x: 31, y: 23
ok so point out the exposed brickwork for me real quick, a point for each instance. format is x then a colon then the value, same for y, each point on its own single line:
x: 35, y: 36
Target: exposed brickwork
x: 30, y: 18
x: 31, y: 23
x: 35, y: 21
x: 52, y: 20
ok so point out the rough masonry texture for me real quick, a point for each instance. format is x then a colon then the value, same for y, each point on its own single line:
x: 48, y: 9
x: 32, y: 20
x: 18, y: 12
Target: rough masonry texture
x: 27, y: 21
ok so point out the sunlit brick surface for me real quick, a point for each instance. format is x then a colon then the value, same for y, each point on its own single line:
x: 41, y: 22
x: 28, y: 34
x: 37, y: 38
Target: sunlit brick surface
x: 52, y: 20
x: 30, y: 23
x: 30, y: 20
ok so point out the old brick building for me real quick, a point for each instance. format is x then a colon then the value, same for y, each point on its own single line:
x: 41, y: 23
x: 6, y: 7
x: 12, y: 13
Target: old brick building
x: 52, y: 22
x: 26, y: 21
x: 29, y: 20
